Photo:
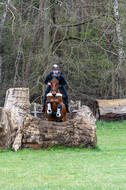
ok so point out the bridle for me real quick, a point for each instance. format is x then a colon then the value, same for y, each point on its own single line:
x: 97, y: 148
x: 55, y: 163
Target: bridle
x: 56, y: 90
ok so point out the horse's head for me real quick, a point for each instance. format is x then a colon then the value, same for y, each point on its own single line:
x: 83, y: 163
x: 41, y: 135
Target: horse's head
x: 54, y: 85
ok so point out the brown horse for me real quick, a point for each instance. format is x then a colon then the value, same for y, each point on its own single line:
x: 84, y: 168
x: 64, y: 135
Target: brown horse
x: 55, y: 108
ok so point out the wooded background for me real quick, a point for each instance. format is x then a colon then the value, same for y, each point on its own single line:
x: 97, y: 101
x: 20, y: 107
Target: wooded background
x: 87, y: 38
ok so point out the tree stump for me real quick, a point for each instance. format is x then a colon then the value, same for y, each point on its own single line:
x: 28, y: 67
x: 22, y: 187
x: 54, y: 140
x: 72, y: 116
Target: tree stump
x: 15, y: 109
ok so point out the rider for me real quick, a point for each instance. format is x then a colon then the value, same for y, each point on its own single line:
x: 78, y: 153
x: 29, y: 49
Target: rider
x: 62, y: 82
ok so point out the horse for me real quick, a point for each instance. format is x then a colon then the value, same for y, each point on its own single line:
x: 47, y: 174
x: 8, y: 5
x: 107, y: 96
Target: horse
x: 55, y: 108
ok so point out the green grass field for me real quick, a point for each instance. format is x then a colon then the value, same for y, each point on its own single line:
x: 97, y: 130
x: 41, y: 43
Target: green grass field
x: 69, y: 168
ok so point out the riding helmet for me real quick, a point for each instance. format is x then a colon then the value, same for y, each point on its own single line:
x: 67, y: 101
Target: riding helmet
x: 55, y: 67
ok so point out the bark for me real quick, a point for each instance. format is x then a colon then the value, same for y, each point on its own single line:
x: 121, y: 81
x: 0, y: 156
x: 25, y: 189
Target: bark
x: 110, y: 110
x: 120, y: 43
x: 33, y: 46
x: 5, y: 130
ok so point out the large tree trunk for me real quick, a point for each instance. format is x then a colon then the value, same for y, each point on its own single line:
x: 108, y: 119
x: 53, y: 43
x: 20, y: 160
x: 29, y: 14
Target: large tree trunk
x: 110, y: 110
x: 120, y: 43
x: 36, y: 133
x: 113, y: 83
x: 49, y: 20
x: 15, y: 109
x: 33, y: 45
x: 79, y: 16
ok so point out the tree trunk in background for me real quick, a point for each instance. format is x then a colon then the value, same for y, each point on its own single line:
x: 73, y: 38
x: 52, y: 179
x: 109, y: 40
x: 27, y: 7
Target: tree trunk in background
x: 120, y: 43
x: 110, y: 56
x: 113, y: 83
x: 0, y: 66
x: 99, y: 11
x: 79, y: 20
x: 17, y: 61
x: 49, y: 20
x: 1, y: 30
x: 33, y: 45
x: 57, y: 36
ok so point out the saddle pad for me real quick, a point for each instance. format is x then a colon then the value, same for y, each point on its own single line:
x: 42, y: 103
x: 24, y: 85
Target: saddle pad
x: 57, y: 94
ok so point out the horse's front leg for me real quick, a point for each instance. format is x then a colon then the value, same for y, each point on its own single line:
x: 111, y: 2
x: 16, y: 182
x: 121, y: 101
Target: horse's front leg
x: 49, y: 110
x: 58, y: 113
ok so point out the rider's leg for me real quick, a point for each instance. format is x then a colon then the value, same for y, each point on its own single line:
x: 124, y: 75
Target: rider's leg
x: 45, y: 97
x: 67, y: 104
x: 65, y: 98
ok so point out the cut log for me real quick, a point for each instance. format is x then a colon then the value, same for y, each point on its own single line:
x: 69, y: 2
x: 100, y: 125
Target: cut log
x: 37, y: 133
x: 15, y: 109
x: 110, y: 110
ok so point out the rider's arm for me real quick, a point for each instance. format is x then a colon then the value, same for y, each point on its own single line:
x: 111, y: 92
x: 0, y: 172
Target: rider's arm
x: 47, y: 79
x: 62, y: 80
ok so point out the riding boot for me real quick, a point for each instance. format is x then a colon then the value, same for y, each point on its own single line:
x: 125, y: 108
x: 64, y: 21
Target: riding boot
x: 67, y: 105
x: 67, y: 108
x: 44, y: 104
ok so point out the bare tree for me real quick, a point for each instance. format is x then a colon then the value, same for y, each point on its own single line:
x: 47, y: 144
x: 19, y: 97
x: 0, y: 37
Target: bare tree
x: 33, y: 45
x: 49, y: 20
x: 120, y: 43
x: 79, y: 17
x: 1, y: 31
